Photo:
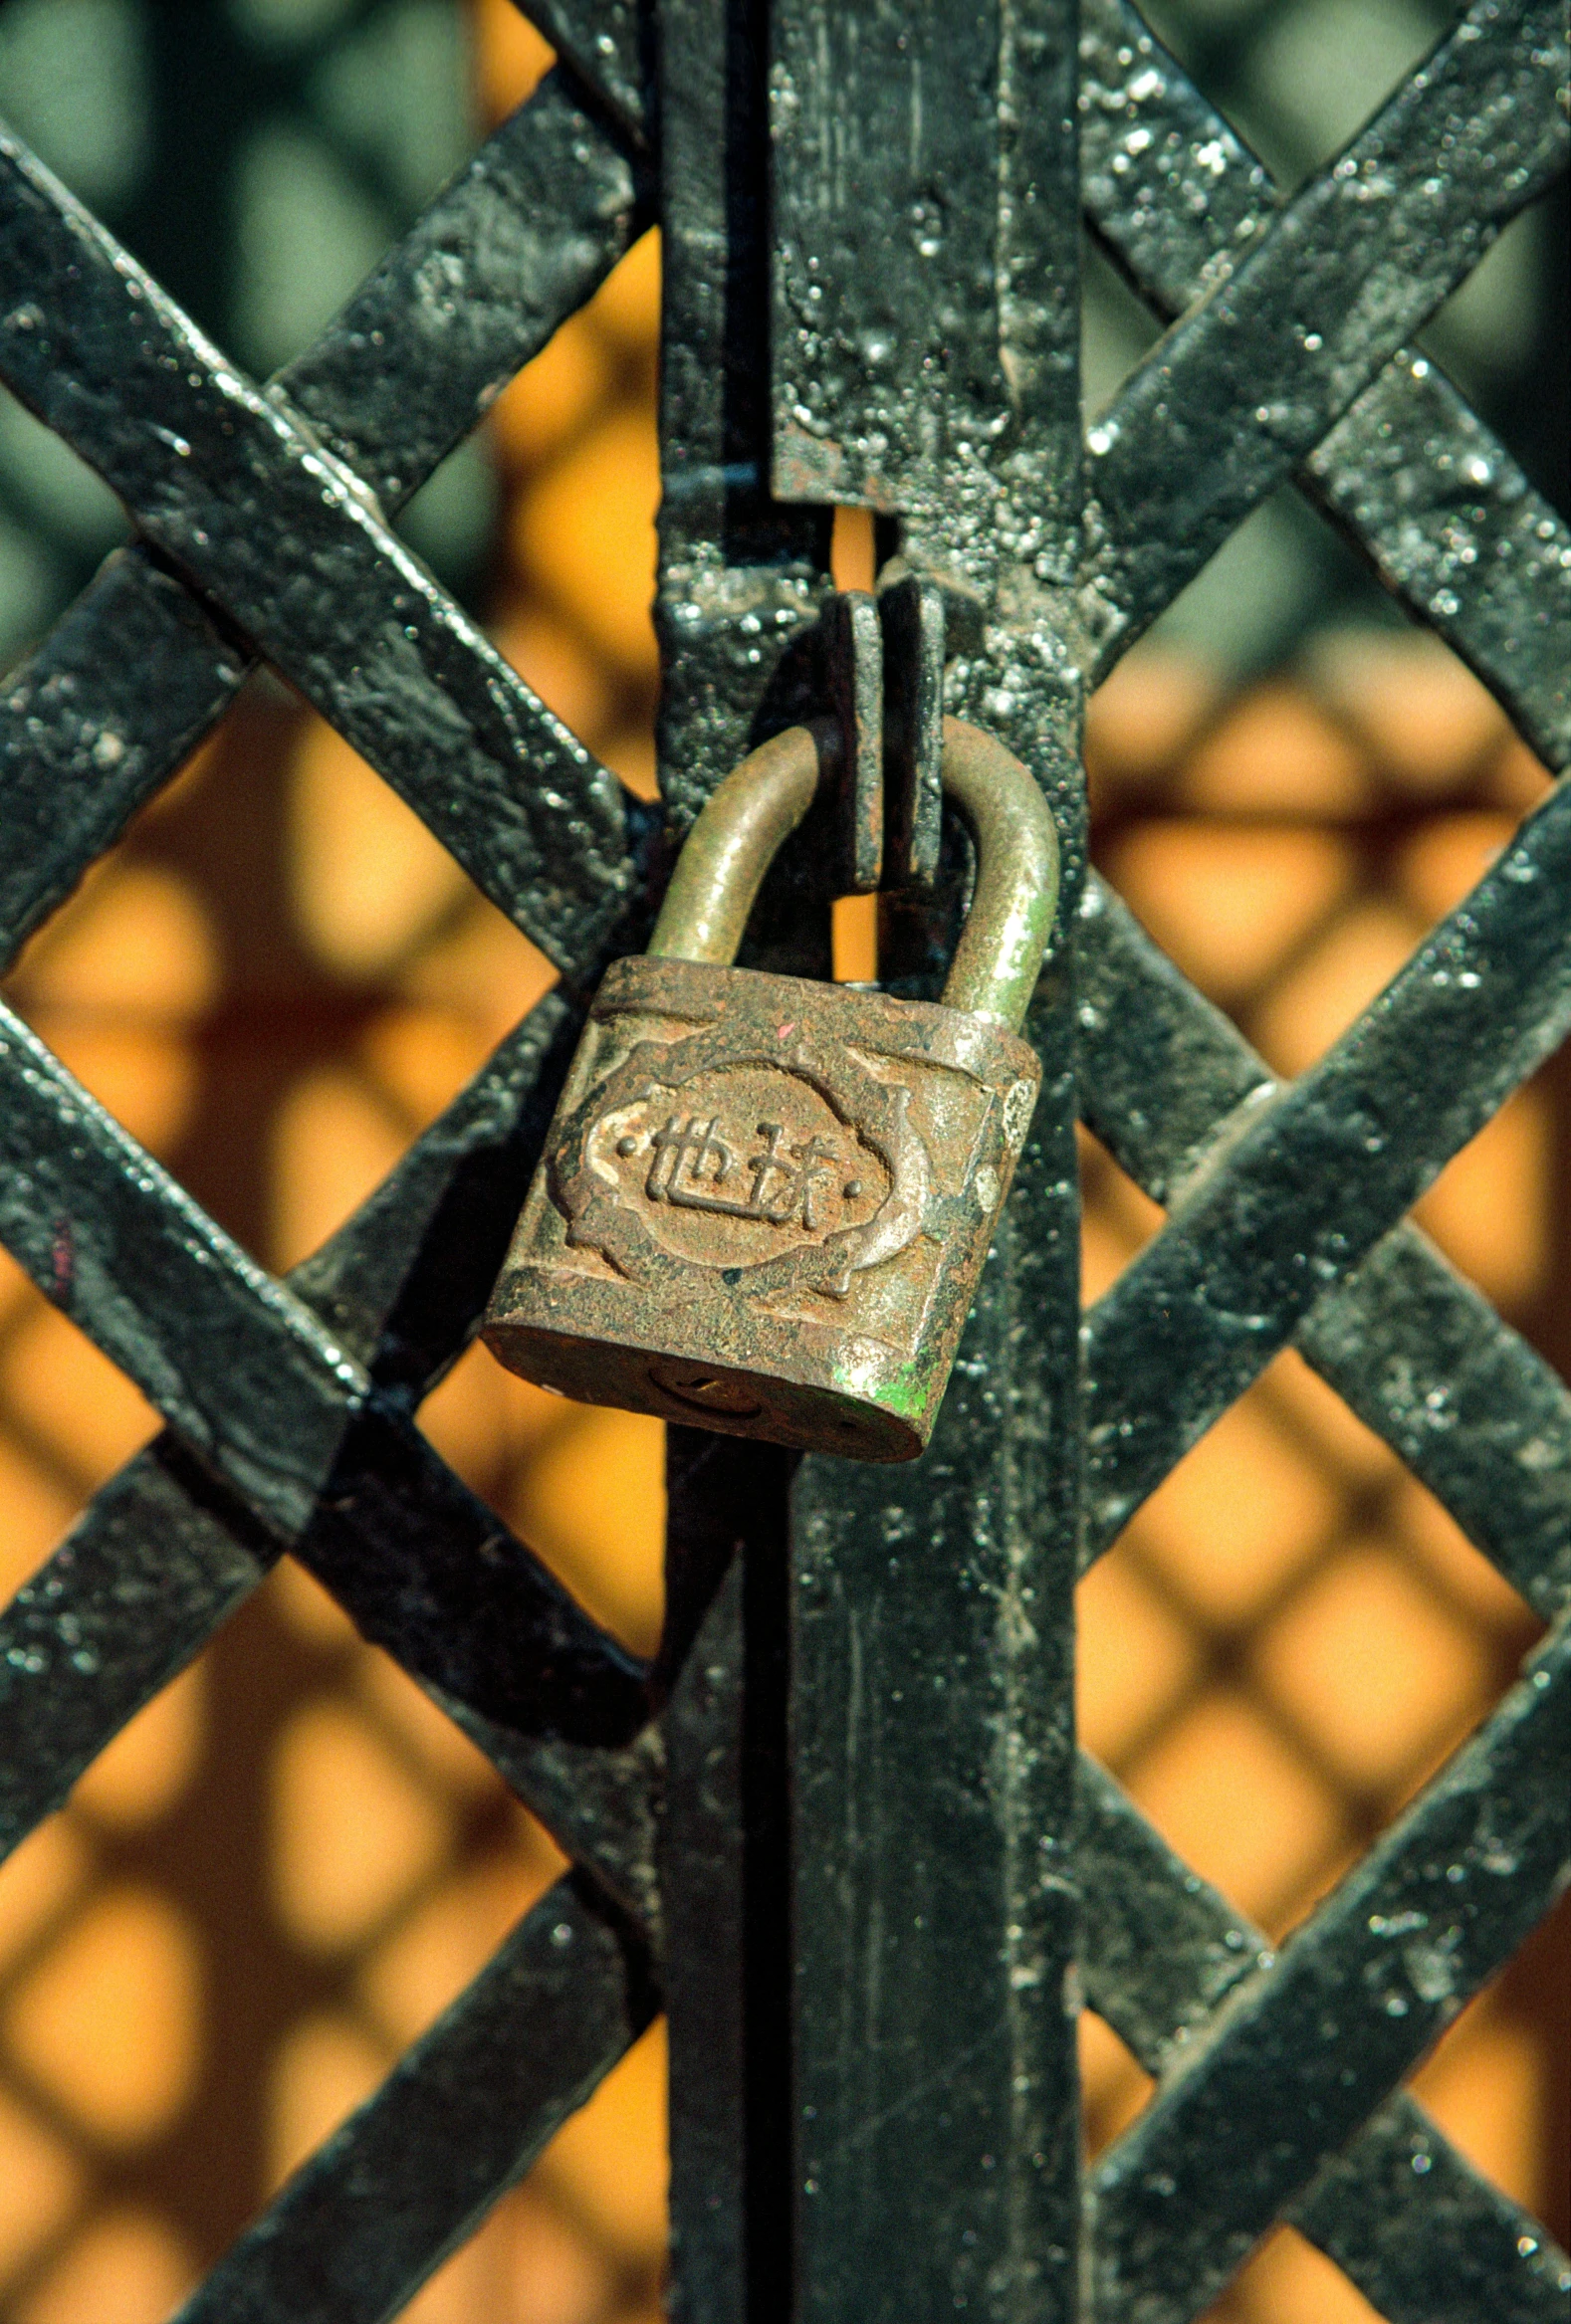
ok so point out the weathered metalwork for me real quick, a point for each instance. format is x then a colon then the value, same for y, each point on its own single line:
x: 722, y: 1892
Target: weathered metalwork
x: 861, y: 1704
x: 911, y: 619
x: 765, y: 1203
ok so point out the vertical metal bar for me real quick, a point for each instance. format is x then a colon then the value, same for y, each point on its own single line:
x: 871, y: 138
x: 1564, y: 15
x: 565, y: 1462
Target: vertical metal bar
x: 723, y: 1879
x: 926, y: 333
x: 853, y: 649
x: 740, y: 579
x: 911, y: 613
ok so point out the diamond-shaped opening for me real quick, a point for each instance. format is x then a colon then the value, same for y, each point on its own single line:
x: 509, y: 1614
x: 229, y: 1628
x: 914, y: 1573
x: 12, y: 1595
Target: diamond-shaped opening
x: 1489, y: 321
x: 1497, y: 1212
x: 1290, y: 1637
x: 306, y: 966
x: 1139, y: 725
x: 1234, y: 906
x: 1117, y: 329
x: 583, y: 1486
x: 1297, y: 82
x: 1292, y: 845
x: 277, y: 978
x: 509, y: 58
x: 1495, y: 2082
x: 57, y: 521
x: 310, y: 230
x: 1288, y: 2281
x: 266, y: 1888
x: 578, y: 451
x: 1317, y: 72
x: 1117, y: 1219
x: 1278, y: 576
x: 582, y: 2241
x: 1301, y: 1005
x: 1114, y: 2086
x: 69, y: 1418
x: 1496, y: 337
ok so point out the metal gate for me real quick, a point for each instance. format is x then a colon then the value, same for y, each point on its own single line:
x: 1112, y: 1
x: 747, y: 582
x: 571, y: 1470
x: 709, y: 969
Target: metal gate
x: 839, y: 1830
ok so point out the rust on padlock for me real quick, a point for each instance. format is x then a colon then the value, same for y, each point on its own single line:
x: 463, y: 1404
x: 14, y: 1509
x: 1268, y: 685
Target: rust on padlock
x: 766, y: 1202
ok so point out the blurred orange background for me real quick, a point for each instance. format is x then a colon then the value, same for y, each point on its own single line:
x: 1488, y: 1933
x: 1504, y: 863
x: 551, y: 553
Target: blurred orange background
x: 290, y: 1863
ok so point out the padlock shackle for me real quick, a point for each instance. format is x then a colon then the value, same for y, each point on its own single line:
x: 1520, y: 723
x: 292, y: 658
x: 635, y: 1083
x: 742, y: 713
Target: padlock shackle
x: 742, y: 827
x: 999, y: 954
x: 749, y: 817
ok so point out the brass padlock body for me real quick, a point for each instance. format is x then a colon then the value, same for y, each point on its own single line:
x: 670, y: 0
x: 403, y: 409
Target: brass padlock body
x: 764, y: 1202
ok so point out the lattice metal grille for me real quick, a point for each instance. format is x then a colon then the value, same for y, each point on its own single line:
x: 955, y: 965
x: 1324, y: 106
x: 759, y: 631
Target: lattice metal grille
x: 287, y: 1404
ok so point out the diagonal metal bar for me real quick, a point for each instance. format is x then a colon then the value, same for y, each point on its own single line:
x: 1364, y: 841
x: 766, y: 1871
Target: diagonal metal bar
x: 323, y: 1460
x: 1461, y: 537
x: 1184, y: 1050
x: 1475, y: 1413
x: 121, y: 691
x: 1548, y: 1470
x: 373, y: 2213
x: 402, y: 353
x: 262, y: 515
x: 494, y: 2039
x: 522, y: 237
x: 133, y: 1594
x: 1546, y: 1467
x: 156, y: 1562
x: 161, y: 1560
x: 1405, y: 2215
x: 239, y: 1367
x: 1466, y: 2250
x: 1158, y: 1955
x: 381, y: 1544
x: 606, y: 44
x: 1161, y: 1949
x: 137, y: 673
x: 1313, y: 2043
x: 1318, y: 303
x: 1177, y: 198
x: 1425, y: 1362
x: 529, y: 2038
x: 545, y: 207
x: 1318, y: 1176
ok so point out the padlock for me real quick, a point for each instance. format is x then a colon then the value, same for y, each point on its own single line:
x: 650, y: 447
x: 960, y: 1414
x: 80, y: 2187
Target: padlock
x: 764, y: 1202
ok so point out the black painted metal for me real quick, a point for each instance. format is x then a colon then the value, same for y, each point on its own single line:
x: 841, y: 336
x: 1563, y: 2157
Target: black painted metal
x: 837, y: 1828
x: 854, y: 651
x: 1254, y: 376
x: 925, y: 357
x: 377, y: 2210
x: 911, y: 616
x: 1436, y: 503
x: 1312, y: 2042
x: 539, y: 217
